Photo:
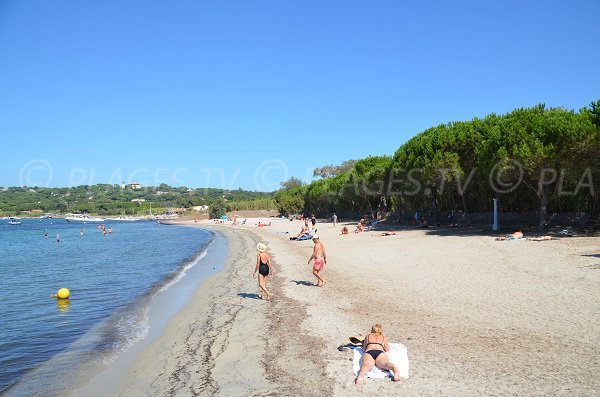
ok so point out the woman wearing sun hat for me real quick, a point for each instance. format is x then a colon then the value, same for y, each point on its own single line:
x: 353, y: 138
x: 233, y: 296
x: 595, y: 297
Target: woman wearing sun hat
x: 264, y: 269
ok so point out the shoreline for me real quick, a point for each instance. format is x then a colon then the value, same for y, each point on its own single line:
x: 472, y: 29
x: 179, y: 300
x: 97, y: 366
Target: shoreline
x: 196, y: 353
x: 478, y: 316
x: 167, y: 302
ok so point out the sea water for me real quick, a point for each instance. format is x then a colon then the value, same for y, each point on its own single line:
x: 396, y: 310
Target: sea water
x: 112, y: 278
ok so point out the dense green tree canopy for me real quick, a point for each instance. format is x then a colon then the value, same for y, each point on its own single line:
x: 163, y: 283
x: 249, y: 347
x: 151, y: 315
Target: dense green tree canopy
x: 537, y: 159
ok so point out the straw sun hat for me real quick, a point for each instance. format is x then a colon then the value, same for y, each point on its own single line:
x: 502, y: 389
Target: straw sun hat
x: 260, y: 247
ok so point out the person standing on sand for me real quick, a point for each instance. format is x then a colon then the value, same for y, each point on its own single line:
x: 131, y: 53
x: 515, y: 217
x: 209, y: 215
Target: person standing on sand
x: 376, y: 347
x: 264, y: 269
x: 320, y: 258
x: 334, y: 219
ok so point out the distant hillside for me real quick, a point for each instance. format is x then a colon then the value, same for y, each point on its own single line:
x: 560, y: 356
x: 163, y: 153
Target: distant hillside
x: 104, y: 199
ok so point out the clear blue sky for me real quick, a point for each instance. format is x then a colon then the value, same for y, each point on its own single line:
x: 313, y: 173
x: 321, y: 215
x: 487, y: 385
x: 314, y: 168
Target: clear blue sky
x: 249, y: 93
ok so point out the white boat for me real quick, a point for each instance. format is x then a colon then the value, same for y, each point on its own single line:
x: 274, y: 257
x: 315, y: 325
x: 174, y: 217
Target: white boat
x: 13, y: 220
x: 83, y: 218
x: 123, y: 218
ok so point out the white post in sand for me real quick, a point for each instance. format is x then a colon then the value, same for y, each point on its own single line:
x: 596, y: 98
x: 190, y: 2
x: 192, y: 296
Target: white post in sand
x: 495, y: 225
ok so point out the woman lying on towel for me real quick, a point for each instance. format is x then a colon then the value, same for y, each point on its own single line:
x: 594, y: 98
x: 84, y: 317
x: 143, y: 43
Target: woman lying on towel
x: 375, y: 347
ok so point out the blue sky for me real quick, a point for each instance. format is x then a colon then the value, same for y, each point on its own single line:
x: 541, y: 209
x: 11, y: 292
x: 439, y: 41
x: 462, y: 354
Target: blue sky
x: 249, y: 93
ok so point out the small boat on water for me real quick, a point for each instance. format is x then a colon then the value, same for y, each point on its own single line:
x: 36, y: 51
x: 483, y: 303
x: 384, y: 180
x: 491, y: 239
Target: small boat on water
x: 123, y: 218
x: 83, y: 218
x: 13, y: 220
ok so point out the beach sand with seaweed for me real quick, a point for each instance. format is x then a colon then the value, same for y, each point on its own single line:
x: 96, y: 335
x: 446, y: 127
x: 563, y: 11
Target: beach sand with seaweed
x: 478, y: 316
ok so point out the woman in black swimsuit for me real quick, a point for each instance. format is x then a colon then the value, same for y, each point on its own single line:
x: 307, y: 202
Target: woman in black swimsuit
x: 375, y: 347
x: 264, y: 269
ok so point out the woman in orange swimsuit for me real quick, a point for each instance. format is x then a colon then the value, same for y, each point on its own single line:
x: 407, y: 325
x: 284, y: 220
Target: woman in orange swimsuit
x: 375, y: 347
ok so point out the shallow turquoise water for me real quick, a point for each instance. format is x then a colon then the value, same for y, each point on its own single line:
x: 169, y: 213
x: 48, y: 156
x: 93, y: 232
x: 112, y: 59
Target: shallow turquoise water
x: 111, y: 278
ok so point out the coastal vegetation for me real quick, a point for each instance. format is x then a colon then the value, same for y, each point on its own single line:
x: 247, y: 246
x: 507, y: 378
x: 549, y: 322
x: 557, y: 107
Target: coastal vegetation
x: 534, y: 159
x: 105, y: 199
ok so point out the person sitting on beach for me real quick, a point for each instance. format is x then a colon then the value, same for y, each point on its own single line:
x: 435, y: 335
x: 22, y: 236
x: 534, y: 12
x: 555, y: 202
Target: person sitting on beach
x: 375, y: 348
x: 264, y: 269
x: 344, y: 230
x: 260, y: 224
x: 303, y: 232
x: 360, y: 227
x: 516, y: 235
x: 308, y: 226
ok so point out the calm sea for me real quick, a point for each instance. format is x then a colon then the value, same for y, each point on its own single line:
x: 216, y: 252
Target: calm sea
x: 112, y: 279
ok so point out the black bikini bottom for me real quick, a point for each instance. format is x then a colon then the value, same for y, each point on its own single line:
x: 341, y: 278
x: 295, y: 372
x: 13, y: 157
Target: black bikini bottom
x: 375, y: 353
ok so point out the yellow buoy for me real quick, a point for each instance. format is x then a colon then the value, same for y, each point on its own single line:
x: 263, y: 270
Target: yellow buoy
x: 63, y: 293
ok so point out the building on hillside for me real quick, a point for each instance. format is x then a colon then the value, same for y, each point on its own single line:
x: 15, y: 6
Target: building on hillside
x: 199, y: 208
x: 135, y: 185
x: 138, y: 200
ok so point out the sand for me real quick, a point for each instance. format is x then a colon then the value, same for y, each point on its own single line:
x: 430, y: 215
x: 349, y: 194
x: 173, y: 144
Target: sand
x: 478, y: 316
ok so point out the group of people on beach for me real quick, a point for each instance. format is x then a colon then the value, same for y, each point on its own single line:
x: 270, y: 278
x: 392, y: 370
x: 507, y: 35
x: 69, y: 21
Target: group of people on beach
x: 375, y: 345
x: 264, y: 268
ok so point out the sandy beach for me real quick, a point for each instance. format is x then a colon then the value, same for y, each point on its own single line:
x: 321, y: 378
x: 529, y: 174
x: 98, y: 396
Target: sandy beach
x: 478, y: 316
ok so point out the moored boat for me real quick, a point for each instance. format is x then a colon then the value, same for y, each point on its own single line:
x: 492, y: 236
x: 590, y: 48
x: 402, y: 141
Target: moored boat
x: 83, y: 218
x: 13, y: 220
x: 123, y: 218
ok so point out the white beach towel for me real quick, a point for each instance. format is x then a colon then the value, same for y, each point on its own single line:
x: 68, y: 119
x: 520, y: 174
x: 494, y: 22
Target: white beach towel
x: 398, y: 355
